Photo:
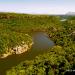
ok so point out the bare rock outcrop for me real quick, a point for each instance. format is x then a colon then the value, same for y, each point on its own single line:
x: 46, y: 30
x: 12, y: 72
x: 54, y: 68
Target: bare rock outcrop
x: 17, y: 50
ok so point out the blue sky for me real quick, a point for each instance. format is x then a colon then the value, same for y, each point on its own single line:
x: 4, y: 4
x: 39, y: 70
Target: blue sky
x: 38, y: 6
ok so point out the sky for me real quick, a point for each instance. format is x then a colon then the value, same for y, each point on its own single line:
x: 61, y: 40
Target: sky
x: 38, y: 6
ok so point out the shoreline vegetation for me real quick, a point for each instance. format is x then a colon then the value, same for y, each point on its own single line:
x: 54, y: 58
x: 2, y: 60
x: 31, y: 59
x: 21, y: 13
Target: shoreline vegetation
x: 60, y: 58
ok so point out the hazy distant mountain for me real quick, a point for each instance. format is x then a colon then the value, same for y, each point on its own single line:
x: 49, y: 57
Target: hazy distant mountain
x: 70, y: 13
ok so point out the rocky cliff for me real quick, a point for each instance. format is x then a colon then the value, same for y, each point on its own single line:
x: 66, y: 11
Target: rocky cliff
x: 17, y: 50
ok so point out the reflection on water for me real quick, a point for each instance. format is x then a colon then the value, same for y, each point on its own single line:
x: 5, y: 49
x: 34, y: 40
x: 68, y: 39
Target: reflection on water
x: 41, y: 45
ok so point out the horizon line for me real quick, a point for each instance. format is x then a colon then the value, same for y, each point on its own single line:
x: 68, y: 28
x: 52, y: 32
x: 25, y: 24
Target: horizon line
x: 31, y: 13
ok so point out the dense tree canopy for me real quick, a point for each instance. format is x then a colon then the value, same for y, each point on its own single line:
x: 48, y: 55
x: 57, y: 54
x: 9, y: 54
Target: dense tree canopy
x: 13, y: 30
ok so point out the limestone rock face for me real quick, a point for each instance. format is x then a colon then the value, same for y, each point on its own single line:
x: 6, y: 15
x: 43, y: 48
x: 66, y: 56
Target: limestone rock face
x: 20, y: 49
x: 17, y: 50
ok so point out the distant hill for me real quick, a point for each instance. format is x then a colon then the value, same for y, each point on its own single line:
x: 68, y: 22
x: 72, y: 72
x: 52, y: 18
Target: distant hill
x: 71, y: 13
